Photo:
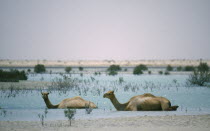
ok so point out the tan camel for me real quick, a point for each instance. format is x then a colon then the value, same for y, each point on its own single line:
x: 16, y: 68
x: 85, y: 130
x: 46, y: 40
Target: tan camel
x: 75, y: 102
x: 145, y: 102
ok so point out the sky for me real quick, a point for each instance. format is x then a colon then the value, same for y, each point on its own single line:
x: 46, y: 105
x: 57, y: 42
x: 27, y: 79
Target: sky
x: 104, y: 29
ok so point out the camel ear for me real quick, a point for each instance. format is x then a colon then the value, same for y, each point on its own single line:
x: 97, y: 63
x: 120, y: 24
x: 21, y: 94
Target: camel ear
x: 48, y: 93
x: 112, y: 92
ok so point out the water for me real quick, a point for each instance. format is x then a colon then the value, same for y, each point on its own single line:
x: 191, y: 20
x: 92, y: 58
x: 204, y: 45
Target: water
x: 27, y: 104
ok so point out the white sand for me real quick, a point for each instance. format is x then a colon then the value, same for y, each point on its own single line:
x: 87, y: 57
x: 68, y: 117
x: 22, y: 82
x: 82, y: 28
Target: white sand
x: 144, y: 123
x: 97, y: 63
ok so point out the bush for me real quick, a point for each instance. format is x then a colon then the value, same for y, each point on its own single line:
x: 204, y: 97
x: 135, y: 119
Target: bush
x: 169, y: 68
x: 68, y: 69
x: 114, y: 68
x: 201, y: 75
x: 160, y: 72
x: 81, y: 68
x: 39, y: 68
x: 149, y: 72
x: 139, y: 69
x: 203, y: 67
x: 179, y: 68
x: 12, y: 76
x: 189, y: 68
x: 113, y: 73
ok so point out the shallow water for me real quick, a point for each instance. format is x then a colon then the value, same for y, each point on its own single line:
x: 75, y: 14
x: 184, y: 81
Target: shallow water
x: 27, y: 104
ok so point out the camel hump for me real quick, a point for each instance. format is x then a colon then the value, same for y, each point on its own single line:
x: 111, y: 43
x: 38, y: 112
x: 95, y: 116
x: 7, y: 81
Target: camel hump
x: 148, y: 95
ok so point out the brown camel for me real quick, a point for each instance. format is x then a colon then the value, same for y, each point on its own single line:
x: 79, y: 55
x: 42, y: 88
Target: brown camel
x: 145, y: 102
x: 75, y: 102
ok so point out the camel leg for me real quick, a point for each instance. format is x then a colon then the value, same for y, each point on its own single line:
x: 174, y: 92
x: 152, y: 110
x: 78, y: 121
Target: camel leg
x: 165, y: 106
x: 131, y: 108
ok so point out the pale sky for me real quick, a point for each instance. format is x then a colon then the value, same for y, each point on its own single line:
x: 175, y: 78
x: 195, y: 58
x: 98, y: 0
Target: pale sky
x: 104, y: 29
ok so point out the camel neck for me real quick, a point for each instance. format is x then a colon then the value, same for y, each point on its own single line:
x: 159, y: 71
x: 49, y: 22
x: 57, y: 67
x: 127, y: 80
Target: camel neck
x: 49, y: 104
x: 117, y: 104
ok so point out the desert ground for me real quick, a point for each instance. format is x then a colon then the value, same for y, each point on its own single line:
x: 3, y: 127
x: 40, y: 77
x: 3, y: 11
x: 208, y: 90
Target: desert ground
x: 144, y: 123
x: 96, y: 63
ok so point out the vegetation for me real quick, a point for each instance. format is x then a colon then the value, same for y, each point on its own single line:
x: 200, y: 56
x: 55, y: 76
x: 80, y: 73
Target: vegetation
x: 69, y: 113
x: 113, y: 69
x: 179, y: 68
x: 149, y: 72
x: 189, y: 68
x: 139, y: 69
x: 169, y: 68
x: 39, y: 68
x: 28, y: 70
x: 80, y: 68
x: 12, y: 76
x: 201, y: 75
x: 160, y: 72
x: 68, y: 69
x: 88, y: 109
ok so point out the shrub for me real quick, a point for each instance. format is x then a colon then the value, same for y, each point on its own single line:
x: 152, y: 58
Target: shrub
x: 200, y: 76
x: 169, y: 68
x: 189, y: 68
x: 114, y: 68
x: 179, y: 68
x: 113, y: 73
x: 139, y: 69
x: 81, y: 68
x: 12, y: 76
x: 68, y: 69
x: 160, y: 72
x: 69, y: 113
x: 149, y: 72
x: 203, y: 67
x: 39, y: 68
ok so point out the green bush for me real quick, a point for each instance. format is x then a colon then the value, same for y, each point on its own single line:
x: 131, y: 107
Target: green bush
x: 203, y: 67
x: 81, y: 68
x: 39, y: 68
x: 169, y: 68
x: 179, y: 68
x: 189, y: 68
x: 139, y: 69
x: 200, y: 76
x: 114, y: 68
x: 149, y: 72
x: 113, y: 73
x: 160, y: 72
x: 68, y: 69
x: 12, y: 76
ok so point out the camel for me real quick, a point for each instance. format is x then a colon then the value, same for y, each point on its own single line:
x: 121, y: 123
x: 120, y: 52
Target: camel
x: 145, y: 102
x: 75, y: 103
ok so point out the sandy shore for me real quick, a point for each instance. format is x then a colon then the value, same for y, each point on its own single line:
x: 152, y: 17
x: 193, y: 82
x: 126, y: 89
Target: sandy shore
x: 150, y: 123
x: 99, y: 63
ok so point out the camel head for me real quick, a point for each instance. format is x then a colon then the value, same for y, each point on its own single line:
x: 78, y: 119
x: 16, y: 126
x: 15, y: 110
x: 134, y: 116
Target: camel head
x: 45, y: 95
x: 109, y: 94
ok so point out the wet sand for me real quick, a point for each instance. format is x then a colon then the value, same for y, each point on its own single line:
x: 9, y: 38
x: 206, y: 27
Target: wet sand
x: 144, y: 123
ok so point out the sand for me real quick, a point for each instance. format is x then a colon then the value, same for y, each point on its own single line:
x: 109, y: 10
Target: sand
x: 144, y: 123
x: 99, y: 63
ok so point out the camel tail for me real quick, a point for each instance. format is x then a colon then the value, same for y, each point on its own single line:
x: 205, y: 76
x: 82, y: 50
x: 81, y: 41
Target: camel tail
x: 174, y: 108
